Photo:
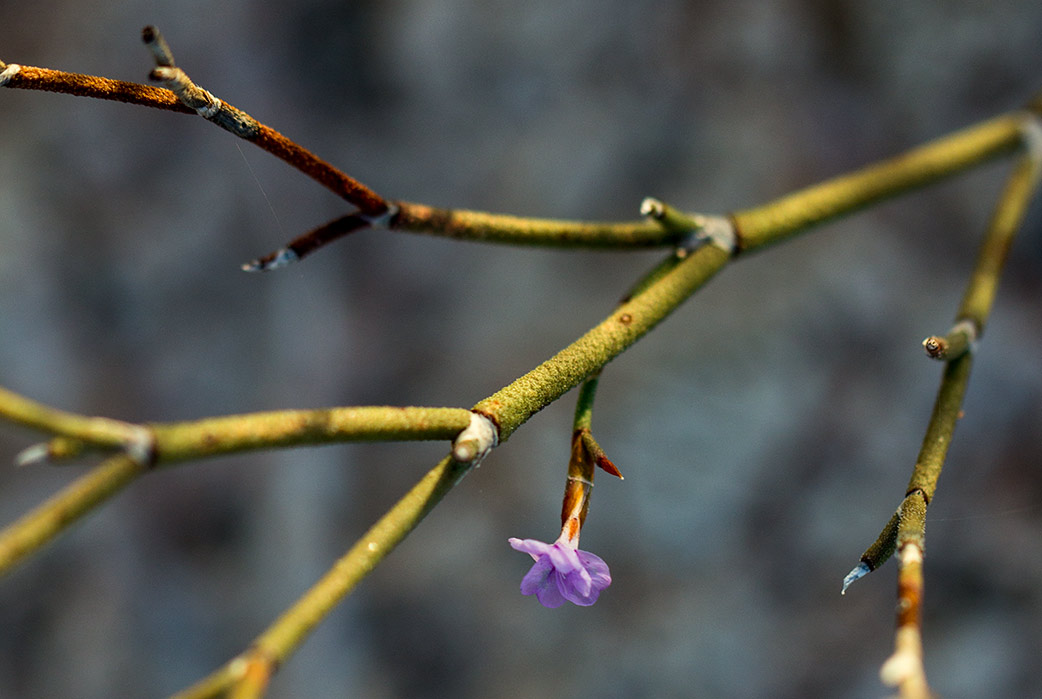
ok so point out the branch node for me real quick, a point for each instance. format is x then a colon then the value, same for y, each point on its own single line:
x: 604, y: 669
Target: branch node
x: 698, y: 229
x: 383, y: 220
x: 962, y: 338
x: 474, y: 443
x: 190, y: 94
x: 9, y: 71
x: 718, y: 231
x: 141, y: 446
x: 1031, y: 135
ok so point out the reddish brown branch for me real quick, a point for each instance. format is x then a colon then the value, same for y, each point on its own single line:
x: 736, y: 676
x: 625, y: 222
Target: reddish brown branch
x: 32, y: 78
x: 344, y: 186
x: 341, y: 184
x: 308, y: 243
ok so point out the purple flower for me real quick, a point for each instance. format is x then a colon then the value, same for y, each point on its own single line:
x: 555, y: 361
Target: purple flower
x: 562, y: 572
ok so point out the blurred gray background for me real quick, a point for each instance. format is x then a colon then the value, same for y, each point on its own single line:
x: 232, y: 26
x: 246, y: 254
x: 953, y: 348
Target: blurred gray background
x: 766, y: 430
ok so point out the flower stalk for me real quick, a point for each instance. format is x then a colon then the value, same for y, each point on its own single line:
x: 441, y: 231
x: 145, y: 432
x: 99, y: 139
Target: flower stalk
x: 562, y: 572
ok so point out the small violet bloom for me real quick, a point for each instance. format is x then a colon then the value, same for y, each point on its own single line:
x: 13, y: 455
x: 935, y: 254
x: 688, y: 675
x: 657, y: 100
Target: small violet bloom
x: 562, y: 572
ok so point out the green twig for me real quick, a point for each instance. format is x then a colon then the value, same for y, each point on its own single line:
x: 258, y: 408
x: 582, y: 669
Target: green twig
x: 283, y: 637
x: 39, y: 526
x: 944, y: 157
x: 904, y: 528
x: 501, y: 228
x: 99, y: 431
x: 166, y: 443
x: 284, y: 428
x: 512, y: 405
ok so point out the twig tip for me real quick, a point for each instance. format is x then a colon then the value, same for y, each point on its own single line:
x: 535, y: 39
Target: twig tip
x: 279, y: 258
x: 860, y: 570
x: 652, y: 207
x: 935, y: 346
x: 35, y: 454
x: 158, y: 46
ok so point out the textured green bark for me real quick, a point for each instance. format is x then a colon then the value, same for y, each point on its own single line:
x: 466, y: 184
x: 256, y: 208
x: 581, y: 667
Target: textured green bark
x: 792, y: 213
x: 234, y: 433
x: 502, y: 228
x: 984, y: 282
x: 515, y: 403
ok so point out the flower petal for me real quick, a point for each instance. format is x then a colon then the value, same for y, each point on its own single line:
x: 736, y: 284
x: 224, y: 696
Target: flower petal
x: 532, y: 547
x: 537, y: 577
x: 562, y: 572
x: 550, y: 595
x: 564, y: 559
x: 597, y: 569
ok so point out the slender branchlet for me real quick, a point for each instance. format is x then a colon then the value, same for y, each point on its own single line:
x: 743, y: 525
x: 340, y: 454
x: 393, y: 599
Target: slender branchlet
x: 319, y: 237
x: 956, y: 348
x: 875, y: 555
x: 515, y: 403
x: 145, y: 446
x: 944, y: 157
x: 283, y: 637
x: 137, y: 441
x: 41, y: 525
x: 582, y: 436
x: 670, y: 217
x: 243, y: 125
x: 1005, y: 221
x: 501, y: 228
x: 905, y: 532
x: 584, y: 456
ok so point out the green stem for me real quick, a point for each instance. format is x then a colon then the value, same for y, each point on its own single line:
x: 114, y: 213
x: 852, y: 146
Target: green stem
x: 100, y: 431
x: 1013, y: 203
x: 976, y: 307
x: 512, y: 405
x: 884, y: 546
x: 282, y: 638
x: 39, y: 526
x: 941, y: 428
x: 946, y: 156
x: 235, y: 433
x: 584, y: 404
x: 501, y: 228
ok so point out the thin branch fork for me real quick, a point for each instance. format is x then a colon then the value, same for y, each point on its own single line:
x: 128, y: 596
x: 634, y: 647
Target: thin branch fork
x: 905, y: 532
x: 146, y: 446
x: 185, y: 97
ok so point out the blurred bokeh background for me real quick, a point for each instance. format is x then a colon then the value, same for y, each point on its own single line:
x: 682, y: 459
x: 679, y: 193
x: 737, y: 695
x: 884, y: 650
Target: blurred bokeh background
x: 766, y: 430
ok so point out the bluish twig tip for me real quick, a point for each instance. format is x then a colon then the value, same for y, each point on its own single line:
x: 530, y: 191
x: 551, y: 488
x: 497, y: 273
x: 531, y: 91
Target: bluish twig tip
x: 279, y: 258
x: 859, y: 571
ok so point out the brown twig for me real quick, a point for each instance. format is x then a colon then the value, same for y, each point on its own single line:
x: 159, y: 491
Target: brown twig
x: 193, y: 99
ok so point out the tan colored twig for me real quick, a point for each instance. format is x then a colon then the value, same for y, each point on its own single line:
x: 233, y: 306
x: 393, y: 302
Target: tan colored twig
x: 904, y: 669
